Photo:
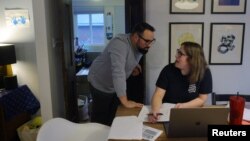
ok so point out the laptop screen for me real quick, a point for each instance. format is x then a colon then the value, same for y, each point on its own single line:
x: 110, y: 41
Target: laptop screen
x: 193, y: 122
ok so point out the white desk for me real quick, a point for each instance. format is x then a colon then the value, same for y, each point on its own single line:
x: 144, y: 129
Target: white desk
x: 83, y: 72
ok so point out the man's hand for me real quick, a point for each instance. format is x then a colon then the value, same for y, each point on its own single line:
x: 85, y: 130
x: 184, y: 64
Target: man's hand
x: 132, y: 104
x: 128, y: 103
x: 137, y: 70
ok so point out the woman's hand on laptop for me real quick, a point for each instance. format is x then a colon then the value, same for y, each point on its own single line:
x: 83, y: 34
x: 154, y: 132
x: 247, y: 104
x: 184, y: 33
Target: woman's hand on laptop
x: 180, y: 105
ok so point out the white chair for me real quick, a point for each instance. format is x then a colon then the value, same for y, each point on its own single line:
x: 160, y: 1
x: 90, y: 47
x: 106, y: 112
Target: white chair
x: 59, y: 129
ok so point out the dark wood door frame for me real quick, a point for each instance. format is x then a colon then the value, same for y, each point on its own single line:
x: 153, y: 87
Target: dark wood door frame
x: 134, y: 13
x: 68, y: 67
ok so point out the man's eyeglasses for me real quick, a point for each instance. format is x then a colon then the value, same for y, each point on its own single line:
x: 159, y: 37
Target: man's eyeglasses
x: 179, y: 53
x: 148, y: 42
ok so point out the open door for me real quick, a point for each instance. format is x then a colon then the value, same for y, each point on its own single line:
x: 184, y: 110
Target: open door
x: 68, y: 67
x: 135, y: 13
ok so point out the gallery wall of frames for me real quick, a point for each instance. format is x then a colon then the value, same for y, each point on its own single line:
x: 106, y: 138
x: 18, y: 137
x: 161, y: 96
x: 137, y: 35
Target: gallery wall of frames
x: 226, y: 38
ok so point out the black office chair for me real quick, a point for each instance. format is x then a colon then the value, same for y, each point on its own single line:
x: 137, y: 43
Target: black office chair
x: 225, y: 97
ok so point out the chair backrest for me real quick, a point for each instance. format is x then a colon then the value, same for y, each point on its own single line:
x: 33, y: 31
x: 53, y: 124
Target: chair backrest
x: 225, y: 97
x: 59, y: 129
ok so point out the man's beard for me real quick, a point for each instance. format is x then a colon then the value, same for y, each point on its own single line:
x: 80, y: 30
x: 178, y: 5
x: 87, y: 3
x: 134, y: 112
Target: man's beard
x: 142, y: 51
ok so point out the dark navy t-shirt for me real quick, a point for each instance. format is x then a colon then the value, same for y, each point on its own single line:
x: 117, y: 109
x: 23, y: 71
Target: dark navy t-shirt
x: 177, y: 86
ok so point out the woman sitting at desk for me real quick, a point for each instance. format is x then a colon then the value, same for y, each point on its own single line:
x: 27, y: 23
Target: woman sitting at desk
x: 187, y: 82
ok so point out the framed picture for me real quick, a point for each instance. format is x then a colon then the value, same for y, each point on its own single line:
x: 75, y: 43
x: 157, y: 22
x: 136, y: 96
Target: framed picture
x: 181, y: 32
x: 226, y: 43
x: 228, y: 6
x: 187, y: 6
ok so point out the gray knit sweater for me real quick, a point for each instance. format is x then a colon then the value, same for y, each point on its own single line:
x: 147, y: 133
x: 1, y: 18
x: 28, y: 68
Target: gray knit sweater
x: 109, y: 71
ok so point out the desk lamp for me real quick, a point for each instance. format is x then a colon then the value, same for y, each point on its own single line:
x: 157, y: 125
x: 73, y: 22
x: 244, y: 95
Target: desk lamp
x: 7, y: 57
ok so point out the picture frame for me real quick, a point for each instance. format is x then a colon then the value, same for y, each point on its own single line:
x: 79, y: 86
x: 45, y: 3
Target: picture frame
x: 228, y: 6
x: 226, y: 43
x: 184, y: 31
x: 187, y: 6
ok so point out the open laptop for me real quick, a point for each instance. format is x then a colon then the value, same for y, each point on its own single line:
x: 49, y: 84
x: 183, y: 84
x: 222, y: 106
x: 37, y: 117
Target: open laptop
x: 193, y: 122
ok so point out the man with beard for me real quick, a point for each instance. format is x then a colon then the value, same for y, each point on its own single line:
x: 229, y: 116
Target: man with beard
x: 109, y: 71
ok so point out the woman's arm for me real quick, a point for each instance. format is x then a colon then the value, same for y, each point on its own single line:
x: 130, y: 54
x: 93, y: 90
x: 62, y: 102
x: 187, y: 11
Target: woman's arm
x: 156, y: 104
x: 197, y: 102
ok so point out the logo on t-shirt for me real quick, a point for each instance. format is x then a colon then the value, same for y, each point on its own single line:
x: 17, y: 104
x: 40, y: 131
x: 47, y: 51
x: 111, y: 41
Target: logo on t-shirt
x: 192, y: 88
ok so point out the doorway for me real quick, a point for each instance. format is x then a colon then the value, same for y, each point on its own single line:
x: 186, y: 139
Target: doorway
x: 134, y: 13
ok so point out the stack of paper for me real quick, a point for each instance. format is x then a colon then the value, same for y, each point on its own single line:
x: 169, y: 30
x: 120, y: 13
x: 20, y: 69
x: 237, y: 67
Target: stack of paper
x: 246, y: 113
x: 126, y: 127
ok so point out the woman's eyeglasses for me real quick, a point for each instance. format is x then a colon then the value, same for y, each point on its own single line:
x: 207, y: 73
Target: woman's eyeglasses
x: 148, y: 42
x: 179, y: 53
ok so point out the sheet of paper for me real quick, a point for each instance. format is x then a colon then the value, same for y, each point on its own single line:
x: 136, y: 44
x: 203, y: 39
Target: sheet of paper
x: 246, y: 114
x: 165, y: 110
x: 126, y: 127
x: 150, y: 133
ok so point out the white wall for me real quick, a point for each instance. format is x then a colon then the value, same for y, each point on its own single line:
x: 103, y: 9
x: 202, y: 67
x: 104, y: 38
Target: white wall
x: 226, y: 78
x: 36, y: 56
x: 47, y: 29
x: 43, y: 59
x: 24, y: 40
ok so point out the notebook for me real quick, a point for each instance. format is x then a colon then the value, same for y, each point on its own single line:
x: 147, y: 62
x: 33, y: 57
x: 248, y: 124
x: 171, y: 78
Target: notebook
x: 193, y: 122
